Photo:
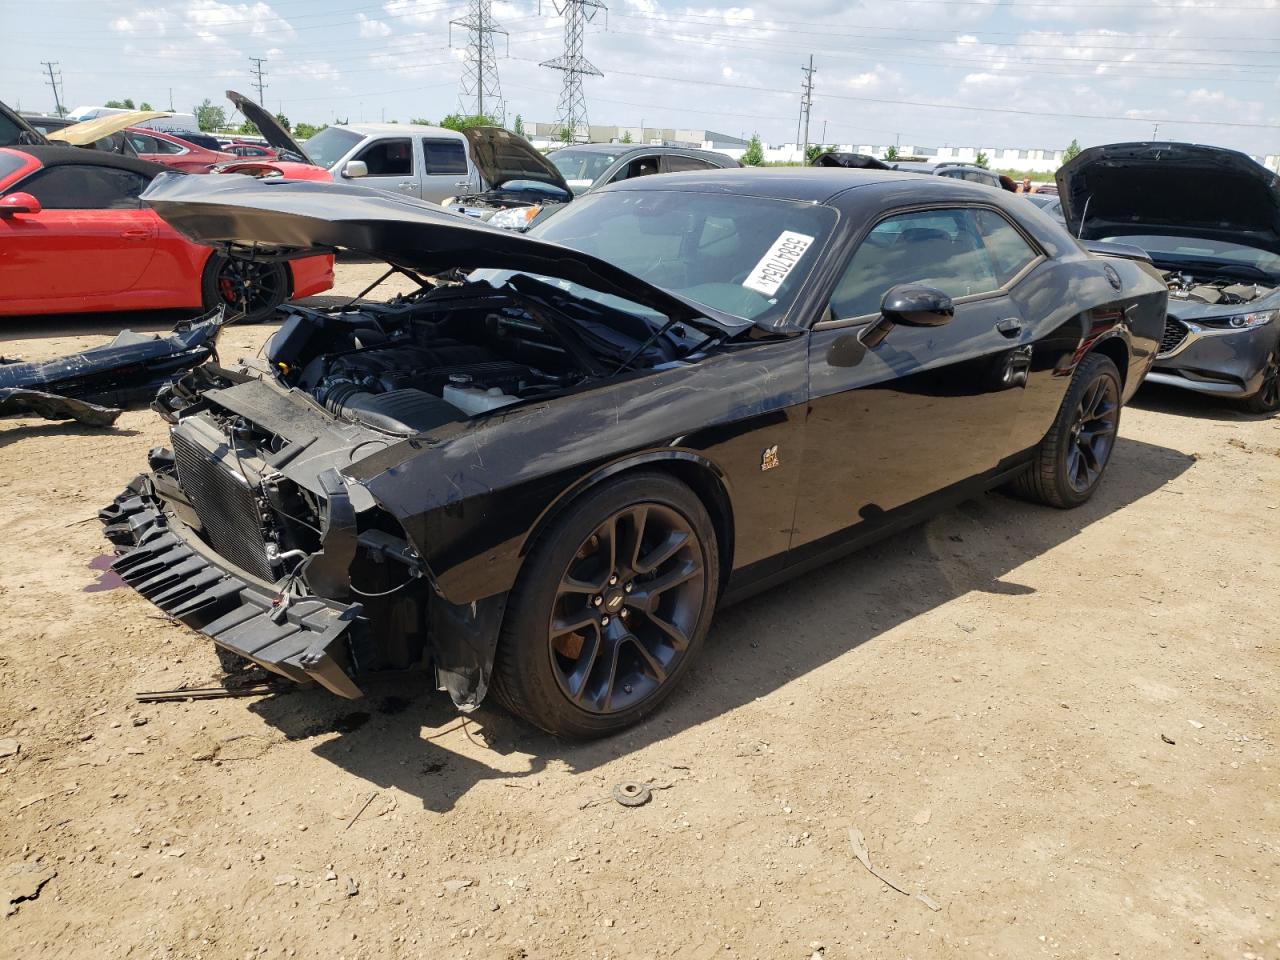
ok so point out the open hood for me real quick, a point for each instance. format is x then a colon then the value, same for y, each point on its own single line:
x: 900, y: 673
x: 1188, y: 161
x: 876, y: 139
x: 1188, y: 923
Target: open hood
x: 22, y: 133
x: 293, y: 217
x: 268, y: 126
x: 858, y: 161
x: 1176, y: 189
x: 91, y: 131
x: 502, y: 156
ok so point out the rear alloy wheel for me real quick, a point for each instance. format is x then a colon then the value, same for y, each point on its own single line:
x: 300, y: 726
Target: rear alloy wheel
x: 613, y: 603
x: 1267, y: 399
x: 251, y: 290
x: 1070, y: 460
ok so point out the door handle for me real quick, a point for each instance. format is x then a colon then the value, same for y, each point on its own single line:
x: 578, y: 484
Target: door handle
x: 136, y: 234
x: 462, y: 183
x: 1010, y: 326
x: 408, y: 183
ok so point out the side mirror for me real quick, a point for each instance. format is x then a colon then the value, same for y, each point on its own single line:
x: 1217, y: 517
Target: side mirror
x: 355, y: 168
x: 909, y: 305
x: 16, y: 203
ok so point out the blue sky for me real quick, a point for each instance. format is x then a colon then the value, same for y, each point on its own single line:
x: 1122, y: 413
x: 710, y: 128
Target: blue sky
x: 910, y: 68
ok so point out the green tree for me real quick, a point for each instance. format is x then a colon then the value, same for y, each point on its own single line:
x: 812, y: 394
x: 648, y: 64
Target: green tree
x: 754, y: 156
x: 458, y: 121
x: 249, y: 128
x: 566, y: 135
x: 626, y: 136
x: 891, y: 154
x: 125, y: 104
x: 283, y: 121
x: 981, y: 160
x: 518, y: 127
x: 422, y: 121
x: 305, y: 131
x: 209, y: 117
x: 814, y: 152
x: 1072, y: 151
x: 145, y: 106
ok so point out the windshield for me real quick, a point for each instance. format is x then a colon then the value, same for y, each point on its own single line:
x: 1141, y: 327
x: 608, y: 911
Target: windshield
x: 330, y: 145
x: 744, y: 256
x: 1200, y: 248
x: 581, y: 168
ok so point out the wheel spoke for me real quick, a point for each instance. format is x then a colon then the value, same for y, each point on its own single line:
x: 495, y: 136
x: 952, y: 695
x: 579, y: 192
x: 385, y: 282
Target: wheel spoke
x: 655, y: 666
x: 662, y: 552
x: 647, y: 593
x: 572, y: 623
x: 679, y: 640
x: 597, y: 687
x: 576, y: 680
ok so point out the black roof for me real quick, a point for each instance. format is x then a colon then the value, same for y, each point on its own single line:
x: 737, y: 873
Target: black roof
x: 623, y: 149
x: 808, y: 184
x: 52, y: 156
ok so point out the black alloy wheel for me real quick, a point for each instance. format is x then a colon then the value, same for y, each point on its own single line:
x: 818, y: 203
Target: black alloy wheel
x: 251, y: 290
x: 1093, y: 433
x: 1267, y: 399
x: 610, y: 607
x: 625, y: 609
x: 1068, y: 464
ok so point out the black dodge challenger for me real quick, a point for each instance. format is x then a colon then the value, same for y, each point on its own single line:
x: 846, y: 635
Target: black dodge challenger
x: 543, y: 471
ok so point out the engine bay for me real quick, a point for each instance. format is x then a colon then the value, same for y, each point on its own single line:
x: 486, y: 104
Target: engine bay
x: 450, y: 353
x: 1207, y: 289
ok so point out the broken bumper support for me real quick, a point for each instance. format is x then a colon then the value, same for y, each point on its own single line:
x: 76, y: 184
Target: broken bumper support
x: 303, y: 638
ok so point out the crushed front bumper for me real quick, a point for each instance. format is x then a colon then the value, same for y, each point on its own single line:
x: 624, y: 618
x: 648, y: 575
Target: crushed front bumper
x: 303, y: 638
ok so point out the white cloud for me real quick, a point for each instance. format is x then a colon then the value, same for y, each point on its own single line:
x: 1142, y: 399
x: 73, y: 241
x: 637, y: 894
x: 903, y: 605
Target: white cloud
x: 370, y: 28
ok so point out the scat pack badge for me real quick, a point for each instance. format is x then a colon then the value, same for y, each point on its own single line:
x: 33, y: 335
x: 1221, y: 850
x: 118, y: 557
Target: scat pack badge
x: 769, y: 459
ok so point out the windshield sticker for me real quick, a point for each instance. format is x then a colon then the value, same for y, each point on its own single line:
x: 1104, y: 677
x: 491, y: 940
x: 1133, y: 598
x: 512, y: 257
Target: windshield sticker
x: 777, y: 263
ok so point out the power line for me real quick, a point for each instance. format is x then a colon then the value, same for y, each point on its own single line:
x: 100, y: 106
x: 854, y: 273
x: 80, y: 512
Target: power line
x: 572, y: 113
x: 479, y: 81
x: 257, y: 81
x: 54, y: 82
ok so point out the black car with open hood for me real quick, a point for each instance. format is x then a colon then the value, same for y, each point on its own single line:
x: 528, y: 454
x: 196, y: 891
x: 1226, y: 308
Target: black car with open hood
x: 519, y: 185
x: 543, y: 470
x: 1210, y: 219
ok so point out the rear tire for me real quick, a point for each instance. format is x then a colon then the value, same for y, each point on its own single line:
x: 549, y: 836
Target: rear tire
x: 251, y: 290
x: 1267, y: 399
x: 610, y: 609
x: 1069, y: 462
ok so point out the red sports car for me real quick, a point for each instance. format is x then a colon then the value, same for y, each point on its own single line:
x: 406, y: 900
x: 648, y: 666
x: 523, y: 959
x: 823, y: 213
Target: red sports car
x: 174, y: 152
x: 75, y: 237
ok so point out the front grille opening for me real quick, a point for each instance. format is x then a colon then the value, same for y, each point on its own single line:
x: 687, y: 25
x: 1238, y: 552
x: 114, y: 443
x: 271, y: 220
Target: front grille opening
x: 1175, y: 331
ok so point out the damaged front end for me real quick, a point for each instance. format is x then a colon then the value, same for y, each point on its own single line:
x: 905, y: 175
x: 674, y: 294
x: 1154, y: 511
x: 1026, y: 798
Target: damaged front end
x: 247, y: 530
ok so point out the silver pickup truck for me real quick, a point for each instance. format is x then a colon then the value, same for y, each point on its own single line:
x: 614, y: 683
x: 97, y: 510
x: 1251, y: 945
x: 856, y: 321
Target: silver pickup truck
x: 430, y: 163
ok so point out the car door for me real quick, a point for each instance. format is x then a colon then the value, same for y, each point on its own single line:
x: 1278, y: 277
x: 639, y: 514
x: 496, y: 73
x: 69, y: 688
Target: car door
x: 446, y: 172
x: 642, y: 166
x: 391, y: 164
x: 929, y: 406
x: 92, y: 236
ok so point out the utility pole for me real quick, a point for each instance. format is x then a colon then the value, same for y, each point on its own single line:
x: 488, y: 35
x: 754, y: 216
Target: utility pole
x: 171, y: 99
x: 53, y: 82
x: 574, y: 65
x: 479, y: 92
x: 258, y: 75
x: 806, y: 105
x: 1155, y: 130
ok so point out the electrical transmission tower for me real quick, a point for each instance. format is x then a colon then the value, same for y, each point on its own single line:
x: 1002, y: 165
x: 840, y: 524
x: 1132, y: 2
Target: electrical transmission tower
x: 479, y: 92
x: 573, y: 102
x: 806, y: 105
x: 55, y: 82
x: 257, y: 76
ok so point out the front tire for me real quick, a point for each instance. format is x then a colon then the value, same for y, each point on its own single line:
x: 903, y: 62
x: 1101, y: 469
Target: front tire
x: 251, y: 290
x: 1267, y: 399
x: 610, y: 609
x: 1071, y: 459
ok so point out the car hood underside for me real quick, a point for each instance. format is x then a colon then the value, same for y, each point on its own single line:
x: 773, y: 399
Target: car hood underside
x: 286, y: 218
x: 1178, y: 189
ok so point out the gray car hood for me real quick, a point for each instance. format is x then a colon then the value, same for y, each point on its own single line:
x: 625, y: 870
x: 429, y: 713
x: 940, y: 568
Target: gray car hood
x: 502, y: 156
x: 294, y: 217
x: 1174, y: 189
x: 268, y: 126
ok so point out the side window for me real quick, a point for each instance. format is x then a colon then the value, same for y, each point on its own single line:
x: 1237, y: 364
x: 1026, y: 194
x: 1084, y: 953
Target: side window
x: 445, y: 156
x: 388, y: 158
x: 674, y: 163
x: 86, y: 188
x: 640, y: 167
x: 938, y: 248
x: 1010, y: 253
x: 142, y: 143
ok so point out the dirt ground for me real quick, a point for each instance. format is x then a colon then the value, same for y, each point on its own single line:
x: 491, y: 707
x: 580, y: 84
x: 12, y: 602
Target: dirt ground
x: 1060, y: 727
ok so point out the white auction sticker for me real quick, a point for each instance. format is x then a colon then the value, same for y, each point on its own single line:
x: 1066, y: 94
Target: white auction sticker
x: 777, y: 263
